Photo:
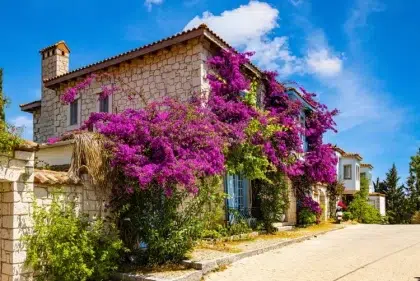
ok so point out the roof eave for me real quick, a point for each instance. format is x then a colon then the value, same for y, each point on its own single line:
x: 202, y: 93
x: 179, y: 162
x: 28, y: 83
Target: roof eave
x: 125, y: 57
x: 30, y: 107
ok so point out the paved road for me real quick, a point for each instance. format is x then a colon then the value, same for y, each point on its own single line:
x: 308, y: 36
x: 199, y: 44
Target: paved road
x: 357, y: 253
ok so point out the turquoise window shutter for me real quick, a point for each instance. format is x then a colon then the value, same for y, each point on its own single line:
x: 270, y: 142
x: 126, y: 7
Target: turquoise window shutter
x: 230, y: 191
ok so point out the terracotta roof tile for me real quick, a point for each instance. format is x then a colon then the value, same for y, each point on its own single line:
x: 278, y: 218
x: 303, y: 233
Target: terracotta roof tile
x: 49, y: 177
x: 347, y: 154
x: 366, y: 165
x: 55, y: 45
x: 201, y: 27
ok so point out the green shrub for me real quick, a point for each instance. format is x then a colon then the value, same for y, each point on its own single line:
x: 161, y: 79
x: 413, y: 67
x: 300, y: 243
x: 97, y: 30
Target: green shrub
x: 306, y: 217
x: 159, y: 229
x: 347, y: 216
x: 416, y: 218
x: 274, y: 199
x: 239, y: 225
x: 65, y: 247
x: 360, y: 208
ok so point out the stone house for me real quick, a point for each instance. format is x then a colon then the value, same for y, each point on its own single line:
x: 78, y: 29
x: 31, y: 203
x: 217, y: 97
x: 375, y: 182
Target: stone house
x: 174, y: 66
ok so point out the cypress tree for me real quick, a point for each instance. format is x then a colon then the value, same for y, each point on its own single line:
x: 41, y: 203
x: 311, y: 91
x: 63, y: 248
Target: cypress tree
x: 2, y: 103
x: 413, y: 182
x: 397, y: 205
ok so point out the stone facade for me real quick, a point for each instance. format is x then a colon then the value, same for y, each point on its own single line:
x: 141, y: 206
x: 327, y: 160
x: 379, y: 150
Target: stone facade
x: 178, y: 72
x: 19, y: 186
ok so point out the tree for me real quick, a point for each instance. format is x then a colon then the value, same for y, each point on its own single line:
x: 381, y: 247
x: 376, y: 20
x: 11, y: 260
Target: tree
x: 2, y: 103
x: 397, y: 204
x: 378, y: 186
x: 413, y: 182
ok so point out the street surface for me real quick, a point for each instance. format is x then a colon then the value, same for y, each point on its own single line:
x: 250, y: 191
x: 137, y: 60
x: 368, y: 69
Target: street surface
x: 357, y: 253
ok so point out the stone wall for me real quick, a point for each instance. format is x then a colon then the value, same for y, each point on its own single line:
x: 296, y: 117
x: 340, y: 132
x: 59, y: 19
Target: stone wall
x: 291, y: 212
x: 19, y: 185
x: 177, y: 72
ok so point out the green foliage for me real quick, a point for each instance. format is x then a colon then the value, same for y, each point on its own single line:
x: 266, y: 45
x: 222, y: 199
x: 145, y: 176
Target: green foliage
x: 347, y: 216
x: 274, y: 199
x: 334, y: 191
x: 65, y: 247
x: 416, y: 218
x: 397, y: 205
x: 3, y: 102
x: 249, y: 159
x: 239, y: 226
x: 413, y: 182
x: 250, y: 97
x: 360, y: 208
x: 9, y: 136
x: 168, y: 227
x: 306, y: 217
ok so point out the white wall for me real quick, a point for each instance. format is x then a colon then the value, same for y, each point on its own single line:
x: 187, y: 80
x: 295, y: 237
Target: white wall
x: 368, y: 172
x: 352, y: 184
x: 54, y: 155
x: 379, y: 203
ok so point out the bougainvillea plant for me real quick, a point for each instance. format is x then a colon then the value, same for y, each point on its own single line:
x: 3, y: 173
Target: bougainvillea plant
x: 261, y: 140
x: 110, y: 83
x: 308, y: 203
x: 167, y: 143
x: 259, y: 134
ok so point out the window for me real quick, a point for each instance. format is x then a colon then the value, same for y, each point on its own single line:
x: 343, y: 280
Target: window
x: 363, y: 175
x: 104, y: 104
x: 238, y: 191
x: 357, y: 172
x: 74, y: 112
x: 347, y: 172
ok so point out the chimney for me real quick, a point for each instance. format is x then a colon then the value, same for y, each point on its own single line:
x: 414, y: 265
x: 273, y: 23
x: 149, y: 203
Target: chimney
x: 55, y: 60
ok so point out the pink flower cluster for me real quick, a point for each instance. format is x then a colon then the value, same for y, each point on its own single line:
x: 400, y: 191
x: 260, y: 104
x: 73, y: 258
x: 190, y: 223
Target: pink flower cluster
x: 70, y: 94
x: 169, y: 143
x: 308, y: 203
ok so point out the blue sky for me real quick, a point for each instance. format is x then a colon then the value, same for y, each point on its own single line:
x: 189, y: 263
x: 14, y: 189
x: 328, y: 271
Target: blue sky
x: 359, y: 56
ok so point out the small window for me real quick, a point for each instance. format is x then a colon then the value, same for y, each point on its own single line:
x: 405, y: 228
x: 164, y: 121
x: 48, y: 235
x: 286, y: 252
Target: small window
x: 104, y: 104
x: 357, y: 172
x: 363, y: 175
x: 347, y: 172
x: 74, y: 109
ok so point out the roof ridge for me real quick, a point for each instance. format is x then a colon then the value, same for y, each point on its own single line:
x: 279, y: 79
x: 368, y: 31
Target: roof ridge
x: 201, y: 26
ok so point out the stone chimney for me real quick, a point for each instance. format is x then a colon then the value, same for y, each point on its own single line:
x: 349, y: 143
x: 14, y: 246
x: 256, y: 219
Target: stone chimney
x: 55, y: 60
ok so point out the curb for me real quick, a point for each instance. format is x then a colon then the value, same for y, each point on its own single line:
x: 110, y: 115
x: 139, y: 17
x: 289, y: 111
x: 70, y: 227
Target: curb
x: 205, y: 267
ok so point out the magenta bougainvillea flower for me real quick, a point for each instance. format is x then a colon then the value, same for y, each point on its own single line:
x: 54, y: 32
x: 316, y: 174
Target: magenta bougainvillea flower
x: 172, y: 144
x: 168, y: 143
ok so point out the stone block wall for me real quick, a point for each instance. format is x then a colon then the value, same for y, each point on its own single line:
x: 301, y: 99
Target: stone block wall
x: 177, y: 72
x: 291, y: 217
x: 18, y: 189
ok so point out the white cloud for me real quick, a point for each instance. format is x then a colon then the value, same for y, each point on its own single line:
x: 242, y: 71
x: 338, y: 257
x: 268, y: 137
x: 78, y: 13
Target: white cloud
x: 320, y: 58
x: 249, y: 28
x: 24, y: 124
x: 149, y: 3
x: 322, y: 62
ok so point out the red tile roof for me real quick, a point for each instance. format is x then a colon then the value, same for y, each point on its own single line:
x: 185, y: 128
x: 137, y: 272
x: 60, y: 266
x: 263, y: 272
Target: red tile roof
x: 366, y: 165
x: 198, y: 32
x: 348, y: 154
x: 49, y: 177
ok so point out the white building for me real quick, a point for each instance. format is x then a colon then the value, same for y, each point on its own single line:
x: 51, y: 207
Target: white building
x: 350, y: 169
